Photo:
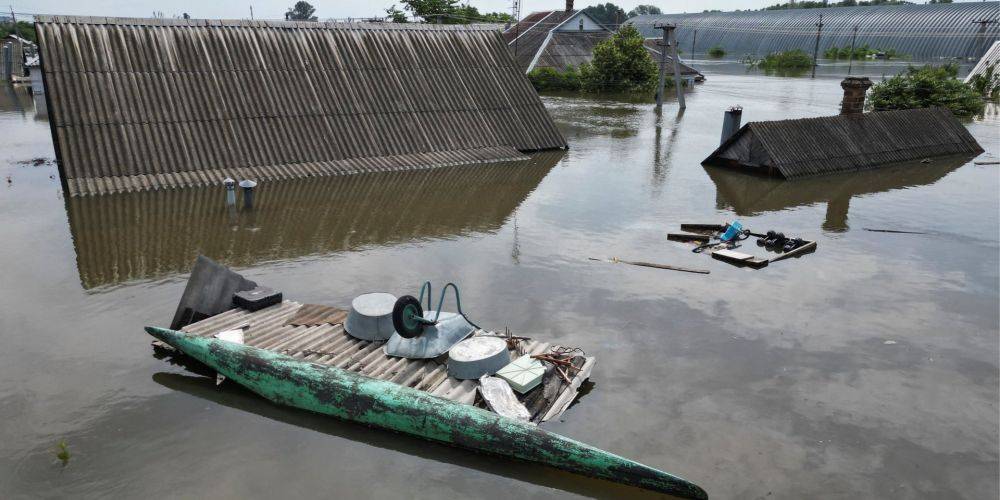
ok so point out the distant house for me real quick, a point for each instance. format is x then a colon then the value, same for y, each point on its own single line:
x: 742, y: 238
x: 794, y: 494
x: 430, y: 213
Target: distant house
x: 848, y: 142
x: 13, y: 53
x: 559, y: 39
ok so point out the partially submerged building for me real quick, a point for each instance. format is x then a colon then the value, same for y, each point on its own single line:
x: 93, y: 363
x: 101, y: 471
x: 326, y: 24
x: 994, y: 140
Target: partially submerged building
x: 560, y: 39
x: 991, y: 59
x: 138, y: 104
x: 848, y: 142
x: 554, y: 38
x: 14, y: 52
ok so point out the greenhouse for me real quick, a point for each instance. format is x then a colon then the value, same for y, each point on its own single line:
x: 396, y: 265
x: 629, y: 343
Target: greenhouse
x: 918, y: 32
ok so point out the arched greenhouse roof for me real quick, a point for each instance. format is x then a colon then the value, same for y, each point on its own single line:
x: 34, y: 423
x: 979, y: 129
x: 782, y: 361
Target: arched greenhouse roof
x: 923, y: 32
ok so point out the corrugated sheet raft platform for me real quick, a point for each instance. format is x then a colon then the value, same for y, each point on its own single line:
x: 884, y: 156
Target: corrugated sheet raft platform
x: 331, y: 345
x: 149, y: 103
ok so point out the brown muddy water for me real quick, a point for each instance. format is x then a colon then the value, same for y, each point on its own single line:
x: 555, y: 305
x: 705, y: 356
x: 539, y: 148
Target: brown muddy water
x: 866, y: 370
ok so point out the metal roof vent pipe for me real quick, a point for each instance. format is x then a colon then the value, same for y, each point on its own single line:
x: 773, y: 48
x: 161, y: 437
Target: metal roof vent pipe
x: 230, y: 191
x: 731, y: 122
x: 855, y: 88
x: 248, y: 186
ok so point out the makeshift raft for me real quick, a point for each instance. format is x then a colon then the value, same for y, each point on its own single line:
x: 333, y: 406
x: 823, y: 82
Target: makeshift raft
x: 345, y: 394
x: 330, y: 345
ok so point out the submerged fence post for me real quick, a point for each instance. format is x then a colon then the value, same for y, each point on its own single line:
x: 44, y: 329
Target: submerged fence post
x: 819, y: 29
x: 248, y: 186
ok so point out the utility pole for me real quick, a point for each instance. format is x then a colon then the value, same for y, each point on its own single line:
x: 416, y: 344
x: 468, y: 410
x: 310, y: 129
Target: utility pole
x: 251, y: 12
x: 678, y: 84
x: 693, y: 40
x: 854, y: 38
x: 669, y: 40
x: 819, y: 29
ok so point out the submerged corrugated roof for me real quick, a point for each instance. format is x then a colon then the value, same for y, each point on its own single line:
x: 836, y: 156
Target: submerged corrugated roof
x: 150, y: 103
x: 149, y: 235
x: 843, y: 143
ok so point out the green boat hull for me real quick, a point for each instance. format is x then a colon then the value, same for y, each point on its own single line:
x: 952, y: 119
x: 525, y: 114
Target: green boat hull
x: 350, y: 396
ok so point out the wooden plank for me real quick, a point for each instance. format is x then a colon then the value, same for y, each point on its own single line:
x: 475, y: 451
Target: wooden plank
x: 688, y: 237
x: 569, y: 394
x: 703, y: 227
x: 616, y: 260
x: 731, y: 256
x: 500, y: 398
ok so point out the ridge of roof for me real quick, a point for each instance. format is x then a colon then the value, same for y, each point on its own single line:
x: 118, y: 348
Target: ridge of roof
x: 142, y: 21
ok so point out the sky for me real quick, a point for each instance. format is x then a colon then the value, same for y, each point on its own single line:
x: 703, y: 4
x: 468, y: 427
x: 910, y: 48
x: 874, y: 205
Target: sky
x: 275, y: 9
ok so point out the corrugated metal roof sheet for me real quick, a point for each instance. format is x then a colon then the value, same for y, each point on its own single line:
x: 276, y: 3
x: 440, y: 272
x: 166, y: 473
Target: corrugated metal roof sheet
x: 330, y: 345
x: 149, y: 103
x: 570, y: 48
x: 924, y: 32
x: 844, y: 143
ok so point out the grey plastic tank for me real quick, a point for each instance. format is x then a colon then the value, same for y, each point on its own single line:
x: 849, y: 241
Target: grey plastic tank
x: 370, y: 317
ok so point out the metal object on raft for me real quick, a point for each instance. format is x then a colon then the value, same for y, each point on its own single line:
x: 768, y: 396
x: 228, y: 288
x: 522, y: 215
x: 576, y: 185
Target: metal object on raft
x: 435, y: 340
x: 477, y: 356
x: 421, y: 335
x: 370, y: 317
x: 332, y: 391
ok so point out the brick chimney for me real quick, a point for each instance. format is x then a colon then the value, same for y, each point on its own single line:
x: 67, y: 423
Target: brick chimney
x: 855, y: 88
x: 569, y: 5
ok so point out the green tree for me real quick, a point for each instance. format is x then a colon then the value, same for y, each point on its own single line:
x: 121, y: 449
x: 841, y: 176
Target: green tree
x: 468, y: 14
x: 924, y: 87
x: 21, y: 29
x: 395, y: 15
x: 302, y: 11
x: 430, y: 10
x: 620, y: 64
x: 641, y: 10
x: 551, y: 79
x: 607, y: 13
x: 451, y: 12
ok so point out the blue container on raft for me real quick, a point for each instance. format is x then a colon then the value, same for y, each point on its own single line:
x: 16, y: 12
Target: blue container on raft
x: 732, y: 231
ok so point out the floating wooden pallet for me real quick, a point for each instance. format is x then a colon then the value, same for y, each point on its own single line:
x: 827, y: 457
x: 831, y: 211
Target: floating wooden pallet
x: 330, y: 345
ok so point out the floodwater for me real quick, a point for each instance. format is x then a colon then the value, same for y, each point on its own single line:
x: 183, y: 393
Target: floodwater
x: 868, y: 369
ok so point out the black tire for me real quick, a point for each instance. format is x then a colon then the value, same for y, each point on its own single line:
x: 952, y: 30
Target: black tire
x: 406, y: 306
